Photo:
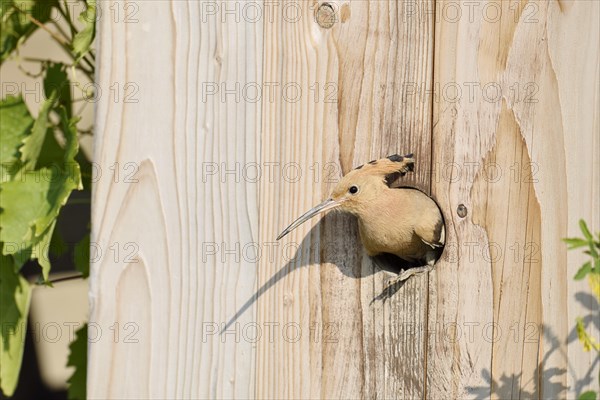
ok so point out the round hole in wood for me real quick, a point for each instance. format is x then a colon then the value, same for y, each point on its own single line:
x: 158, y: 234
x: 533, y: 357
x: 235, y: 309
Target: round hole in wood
x: 437, y: 241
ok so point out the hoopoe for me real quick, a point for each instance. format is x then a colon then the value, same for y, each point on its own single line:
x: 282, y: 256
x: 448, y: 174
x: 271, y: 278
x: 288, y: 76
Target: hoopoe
x: 401, y: 221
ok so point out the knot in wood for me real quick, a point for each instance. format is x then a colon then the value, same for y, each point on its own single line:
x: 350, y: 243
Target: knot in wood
x: 325, y: 15
x: 288, y: 299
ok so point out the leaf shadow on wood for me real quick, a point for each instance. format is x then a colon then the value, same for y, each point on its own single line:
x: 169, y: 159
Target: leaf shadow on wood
x: 342, y: 250
x: 504, y: 387
x: 590, y: 303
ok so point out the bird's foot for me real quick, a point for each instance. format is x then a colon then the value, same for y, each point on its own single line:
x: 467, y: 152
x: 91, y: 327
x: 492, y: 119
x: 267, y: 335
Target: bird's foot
x: 405, y: 274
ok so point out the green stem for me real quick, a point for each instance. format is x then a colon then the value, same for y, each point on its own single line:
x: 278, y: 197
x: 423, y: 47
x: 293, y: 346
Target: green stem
x: 66, y: 13
x: 66, y: 278
x: 90, y: 65
x: 59, y: 29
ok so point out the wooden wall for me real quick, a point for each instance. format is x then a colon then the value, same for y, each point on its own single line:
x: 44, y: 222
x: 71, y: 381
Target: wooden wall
x: 235, y: 117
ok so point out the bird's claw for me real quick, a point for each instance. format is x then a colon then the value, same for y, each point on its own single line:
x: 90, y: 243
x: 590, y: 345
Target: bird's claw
x: 405, y: 274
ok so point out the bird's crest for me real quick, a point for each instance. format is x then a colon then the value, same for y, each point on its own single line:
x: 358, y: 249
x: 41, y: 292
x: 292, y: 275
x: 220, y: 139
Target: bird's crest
x: 390, y: 168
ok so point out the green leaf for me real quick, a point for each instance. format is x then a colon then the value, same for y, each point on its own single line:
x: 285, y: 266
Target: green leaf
x: 34, y: 198
x: 30, y: 203
x: 15, y: 22
x: 574, y: 243
x: 589, y: 395
x: 86, y: 170
x: 593, y: 251
x: 82, y: 256
x: 16, y: 123
x: 52, y: 153
x: 32, y: 144
x: 15, y: 295
x: 78, y: 359
x: 58, y: 97
x: 585, y: 230
x: 84, y: 38
x: 56, y: 81
x: 69, y: 128
x: 583, y: 271
x: 41, y: 251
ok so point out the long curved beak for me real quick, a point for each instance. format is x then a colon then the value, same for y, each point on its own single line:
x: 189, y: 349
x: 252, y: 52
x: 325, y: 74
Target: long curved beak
x: 324, y: 206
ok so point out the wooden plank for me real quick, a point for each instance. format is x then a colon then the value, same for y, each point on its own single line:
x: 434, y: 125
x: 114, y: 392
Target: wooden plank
x: 509, y: 122
x: 573, y: 47
x: 173, y: 211
x: 364, y: 69
x: 207, y: 304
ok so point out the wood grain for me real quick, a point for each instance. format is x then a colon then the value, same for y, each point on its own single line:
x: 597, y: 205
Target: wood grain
x: 181, y: 284
x: 357, y: 347
x: 521, y: 288
x: 193, y: 296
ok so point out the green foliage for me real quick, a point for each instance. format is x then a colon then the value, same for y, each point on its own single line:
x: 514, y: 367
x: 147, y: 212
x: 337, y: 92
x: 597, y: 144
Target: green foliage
x: 31, y: 200
x: 593, y: 249
x: 589, y: 395
x: 16, y: 124
x: 83, y: 40
x: 40, y: 166
x: 78, y: 359
x: 15, y: 295
x: 589, y: 343
x: 591, y: 270
x: 18, y: 22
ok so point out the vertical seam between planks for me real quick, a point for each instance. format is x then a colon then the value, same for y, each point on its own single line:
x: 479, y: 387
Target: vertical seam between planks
x: 431, y: 154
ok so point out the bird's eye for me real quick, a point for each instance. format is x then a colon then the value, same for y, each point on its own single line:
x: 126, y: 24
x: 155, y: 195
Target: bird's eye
x: 353, y: 190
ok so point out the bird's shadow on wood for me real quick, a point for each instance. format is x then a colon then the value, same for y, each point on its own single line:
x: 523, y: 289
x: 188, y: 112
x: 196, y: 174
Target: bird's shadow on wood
x: 324, y: 244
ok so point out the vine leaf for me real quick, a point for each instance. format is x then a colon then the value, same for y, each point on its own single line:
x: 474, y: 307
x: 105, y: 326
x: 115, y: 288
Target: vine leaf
x: 57, y: 80
x: 15, y: 295
x: 32, y: 200
x: 16, y: 124
x: 41, y: 252
x: 78, y: 359
x: 15, y: 26
x: 58, y: 96
x: 32, y: 144
x: 84, y: 38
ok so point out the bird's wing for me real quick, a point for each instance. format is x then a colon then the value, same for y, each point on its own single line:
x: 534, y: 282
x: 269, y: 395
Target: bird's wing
x: 432, y: 232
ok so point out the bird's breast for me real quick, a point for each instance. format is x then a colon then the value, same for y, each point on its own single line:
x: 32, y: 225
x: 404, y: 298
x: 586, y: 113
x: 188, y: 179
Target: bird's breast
x: 394, y: 238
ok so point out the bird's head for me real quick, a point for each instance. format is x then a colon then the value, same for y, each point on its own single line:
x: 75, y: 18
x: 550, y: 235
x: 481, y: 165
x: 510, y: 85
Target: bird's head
x: 360, y: 187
